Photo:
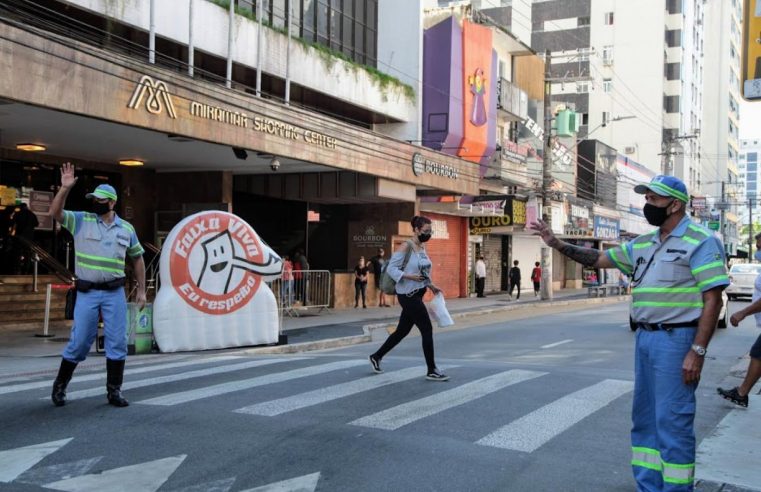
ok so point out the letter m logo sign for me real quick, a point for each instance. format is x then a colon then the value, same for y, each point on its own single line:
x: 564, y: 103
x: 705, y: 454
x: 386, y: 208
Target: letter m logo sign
x: 157, y: 93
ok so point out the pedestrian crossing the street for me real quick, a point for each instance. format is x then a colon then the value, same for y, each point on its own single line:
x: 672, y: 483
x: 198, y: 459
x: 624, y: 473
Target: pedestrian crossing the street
x: 400, y: 398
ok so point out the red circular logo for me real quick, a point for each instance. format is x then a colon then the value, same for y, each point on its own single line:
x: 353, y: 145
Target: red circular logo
x: 211, y: 261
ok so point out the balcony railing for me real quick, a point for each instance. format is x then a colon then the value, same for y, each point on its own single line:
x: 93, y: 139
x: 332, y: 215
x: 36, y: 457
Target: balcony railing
x: 512, y: 99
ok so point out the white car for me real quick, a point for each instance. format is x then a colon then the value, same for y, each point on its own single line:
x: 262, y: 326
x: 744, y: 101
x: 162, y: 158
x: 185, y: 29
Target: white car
x: 741, y: 279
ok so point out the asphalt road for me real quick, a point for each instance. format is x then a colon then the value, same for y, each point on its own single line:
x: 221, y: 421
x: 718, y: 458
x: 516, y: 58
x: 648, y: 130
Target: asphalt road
x: 539, y: 403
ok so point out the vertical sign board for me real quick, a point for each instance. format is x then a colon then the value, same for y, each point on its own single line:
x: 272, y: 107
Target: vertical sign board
x: 751, y: 47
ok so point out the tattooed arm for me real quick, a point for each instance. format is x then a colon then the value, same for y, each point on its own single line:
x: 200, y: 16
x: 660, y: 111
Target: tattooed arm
x: 585, y: 256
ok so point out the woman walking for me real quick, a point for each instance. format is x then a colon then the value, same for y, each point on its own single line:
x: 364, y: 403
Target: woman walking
x: 410, y: 267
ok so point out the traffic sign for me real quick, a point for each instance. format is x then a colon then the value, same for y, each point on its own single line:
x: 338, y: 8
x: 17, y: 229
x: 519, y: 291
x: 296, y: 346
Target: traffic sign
x: 713, y: 225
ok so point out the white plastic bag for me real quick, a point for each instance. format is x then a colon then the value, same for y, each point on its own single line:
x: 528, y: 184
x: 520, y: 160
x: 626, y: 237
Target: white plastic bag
x: 437, y: 308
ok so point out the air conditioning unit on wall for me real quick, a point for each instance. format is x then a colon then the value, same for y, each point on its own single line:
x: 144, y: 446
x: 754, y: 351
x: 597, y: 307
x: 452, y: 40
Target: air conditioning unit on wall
x: 629, y: 150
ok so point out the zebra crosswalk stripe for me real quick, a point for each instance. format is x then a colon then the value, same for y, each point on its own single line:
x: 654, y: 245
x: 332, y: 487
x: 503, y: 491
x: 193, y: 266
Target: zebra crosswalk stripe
x: 232, y: 386
x: 401, y: 415
x: 128, y: 372
x: 531, y: 431
x: 322, y: 395
x: 181, y: 377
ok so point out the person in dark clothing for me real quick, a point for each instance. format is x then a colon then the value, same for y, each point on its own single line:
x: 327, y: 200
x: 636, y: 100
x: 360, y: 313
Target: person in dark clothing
x: 515, y: 280
x: 23, y: 223
x: 377, y: 262
x: 360, y: 282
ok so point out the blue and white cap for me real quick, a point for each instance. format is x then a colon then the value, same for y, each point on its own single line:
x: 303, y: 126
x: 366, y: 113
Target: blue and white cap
x: 103, y: 191
x: 665, y: 186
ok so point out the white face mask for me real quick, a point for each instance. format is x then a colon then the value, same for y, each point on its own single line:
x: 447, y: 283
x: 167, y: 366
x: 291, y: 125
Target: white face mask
x: 757, y: 255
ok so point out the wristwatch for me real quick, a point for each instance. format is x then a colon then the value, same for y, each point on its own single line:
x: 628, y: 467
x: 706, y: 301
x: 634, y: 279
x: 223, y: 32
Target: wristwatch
x: 698, y: 349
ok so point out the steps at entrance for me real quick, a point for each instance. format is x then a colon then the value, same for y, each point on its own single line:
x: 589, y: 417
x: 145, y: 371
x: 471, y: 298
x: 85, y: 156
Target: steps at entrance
x: 21, y: 307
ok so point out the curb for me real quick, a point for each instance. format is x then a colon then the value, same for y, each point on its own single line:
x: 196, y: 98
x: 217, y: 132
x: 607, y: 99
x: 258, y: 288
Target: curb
x: 369, y: 329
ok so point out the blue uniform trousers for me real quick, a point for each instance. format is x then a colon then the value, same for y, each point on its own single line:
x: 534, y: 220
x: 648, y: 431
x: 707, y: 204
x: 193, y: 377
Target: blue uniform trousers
x: 113, y: 306
x: 663, y: 413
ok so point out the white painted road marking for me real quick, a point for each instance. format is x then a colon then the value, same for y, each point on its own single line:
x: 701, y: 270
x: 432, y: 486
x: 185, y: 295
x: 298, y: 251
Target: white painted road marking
x: 128, y: 372
x: 180, y: 377
x: 232, y: 386
x: 306, y: 483
x: 401, y: 415
x: 14, y: 462
x: 54, y: 473
x: 322, y: 395
x: 550, y: 345
x: 143, y: 477
x: 533, y: 430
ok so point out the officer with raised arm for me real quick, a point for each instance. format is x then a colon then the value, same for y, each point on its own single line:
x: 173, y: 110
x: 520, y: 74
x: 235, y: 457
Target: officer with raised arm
x: 678, y: 273
x: 102, y: 240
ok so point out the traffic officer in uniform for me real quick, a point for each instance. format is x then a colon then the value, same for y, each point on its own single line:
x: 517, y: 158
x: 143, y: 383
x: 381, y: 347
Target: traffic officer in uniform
x: 101, y: 242
x: 678, y: 273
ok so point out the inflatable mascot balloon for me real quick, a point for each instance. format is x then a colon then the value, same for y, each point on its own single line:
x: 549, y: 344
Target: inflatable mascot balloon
x: 213, y: 292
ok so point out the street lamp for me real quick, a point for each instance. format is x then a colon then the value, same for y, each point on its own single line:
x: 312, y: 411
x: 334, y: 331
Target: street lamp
x: 605, y: 123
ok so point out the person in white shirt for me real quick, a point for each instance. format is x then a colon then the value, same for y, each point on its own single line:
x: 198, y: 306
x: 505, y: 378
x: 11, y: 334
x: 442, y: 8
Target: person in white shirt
x: 480, y: 276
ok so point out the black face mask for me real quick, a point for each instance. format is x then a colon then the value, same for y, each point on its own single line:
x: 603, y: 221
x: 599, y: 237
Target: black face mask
x: 656, y: 215
x: 100, y: 208
x: 424, y: 237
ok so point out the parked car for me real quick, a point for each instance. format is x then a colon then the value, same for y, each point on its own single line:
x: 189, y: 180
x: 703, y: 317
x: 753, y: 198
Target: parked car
x: 741, y: 279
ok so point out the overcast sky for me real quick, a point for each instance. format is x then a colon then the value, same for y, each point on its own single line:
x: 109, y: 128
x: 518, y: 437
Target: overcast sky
x: 750, y: 119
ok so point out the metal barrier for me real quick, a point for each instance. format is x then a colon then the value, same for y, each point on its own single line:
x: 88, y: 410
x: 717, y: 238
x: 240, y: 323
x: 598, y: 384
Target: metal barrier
x: 309, y: 289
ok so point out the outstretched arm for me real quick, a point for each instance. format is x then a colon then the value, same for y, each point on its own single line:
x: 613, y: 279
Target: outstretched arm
x: 585, y: 256
x: 67, y: 183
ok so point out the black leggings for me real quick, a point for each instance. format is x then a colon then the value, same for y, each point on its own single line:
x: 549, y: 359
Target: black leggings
x: 414, y: 312
x: 359, y: 288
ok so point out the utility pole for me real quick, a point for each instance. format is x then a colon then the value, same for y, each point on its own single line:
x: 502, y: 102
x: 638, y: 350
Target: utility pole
x: 547, y: 177
x: 722, y: 217
x: 750, y: 229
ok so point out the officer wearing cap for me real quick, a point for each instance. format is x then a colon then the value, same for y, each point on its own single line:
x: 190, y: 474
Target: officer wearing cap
x: 101, y: 241
x: 678, y: 273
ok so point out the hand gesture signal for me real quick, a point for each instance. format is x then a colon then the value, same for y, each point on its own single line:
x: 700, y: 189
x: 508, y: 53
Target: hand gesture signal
x: 67, y: 175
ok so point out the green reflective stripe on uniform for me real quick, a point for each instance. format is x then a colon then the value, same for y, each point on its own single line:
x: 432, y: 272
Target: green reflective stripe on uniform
x: 675, y: 290
x: 136, y: 251
x: 89, y: 218
x: 698, y: 229
x: 101, y: 268
x: 101, y: 258
x: 706, y: 267
x: 618, y: 263
x: 128, y: 226
x: 69, y: 222
x: 690, y: 240
x: 667, y: 304
x: 646, y: 458
x: 642, y: 245
x: 626, y: 254
x: 711, y: 280
x: 680, y: 474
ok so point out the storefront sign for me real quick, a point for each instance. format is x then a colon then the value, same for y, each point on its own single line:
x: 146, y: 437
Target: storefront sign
x: 606, y: 228
x: 698, y: 203
x: 7, y: 196
x: 158, y: 99
x: 560, y: 153
x: 516, y: 209
x: 514, y: 152
x: 578, y: 221
x: 514, y: 214
x: 421, y: 165
x: 439, y: 229
x: 39, y: 203
x: 370, y: 238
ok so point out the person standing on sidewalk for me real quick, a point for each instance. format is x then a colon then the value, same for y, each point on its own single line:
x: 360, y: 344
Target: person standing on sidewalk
x: 411, y: 284
x: 536, y: 278
x: 360, y: 282
x: 480, y: 276
x: 739, y: 394
x: 101, y: 241
x: 678, y: 273
x: 515, y: 280
x: 378, y: 262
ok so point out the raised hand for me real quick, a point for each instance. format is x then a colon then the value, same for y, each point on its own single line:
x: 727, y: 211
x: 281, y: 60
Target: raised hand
x: 542, y: 229
x: 67, y: 175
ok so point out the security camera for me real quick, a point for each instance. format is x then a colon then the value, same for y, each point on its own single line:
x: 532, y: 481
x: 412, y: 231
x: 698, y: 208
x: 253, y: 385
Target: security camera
x: 275, y: 164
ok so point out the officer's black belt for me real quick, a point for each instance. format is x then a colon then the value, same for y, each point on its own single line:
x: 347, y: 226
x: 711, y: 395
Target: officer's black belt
x: 666, y: 326
x: 85, y: 285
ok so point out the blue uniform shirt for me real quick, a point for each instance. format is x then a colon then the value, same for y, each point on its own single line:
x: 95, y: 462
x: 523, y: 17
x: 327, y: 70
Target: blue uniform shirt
x: 101, y: 248
x: 670, y: 276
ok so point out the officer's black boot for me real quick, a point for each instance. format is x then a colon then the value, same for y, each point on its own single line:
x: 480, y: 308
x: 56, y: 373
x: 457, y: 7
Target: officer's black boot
x: 61, y: 381
x: 115, y: 374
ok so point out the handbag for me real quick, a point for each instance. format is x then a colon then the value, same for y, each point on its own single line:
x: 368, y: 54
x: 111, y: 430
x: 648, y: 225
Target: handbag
x: 387, y: 283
